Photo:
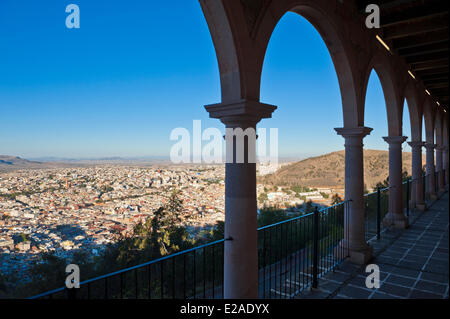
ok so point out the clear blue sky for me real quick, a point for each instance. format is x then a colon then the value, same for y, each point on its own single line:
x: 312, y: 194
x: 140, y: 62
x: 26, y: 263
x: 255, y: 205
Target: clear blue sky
x: 137, y: 69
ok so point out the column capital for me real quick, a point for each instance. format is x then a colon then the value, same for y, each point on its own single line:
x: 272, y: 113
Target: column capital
x: 418, y: 144
x: 430, y: 146
x: 360, y: 131
x: 242, y: 113
x: 440, y: 148
x: 395, y: 139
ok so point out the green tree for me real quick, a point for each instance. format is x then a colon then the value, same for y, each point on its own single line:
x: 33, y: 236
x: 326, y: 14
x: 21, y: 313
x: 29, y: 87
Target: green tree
x: 24, y: 237
x: 174, y: 207
x: 270, y: 216
x: 262, y: 197
x: 336, y: 199
x: 309, y: 207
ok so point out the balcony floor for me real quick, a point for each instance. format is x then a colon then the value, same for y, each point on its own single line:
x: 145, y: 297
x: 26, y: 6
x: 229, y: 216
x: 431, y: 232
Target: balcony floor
x: 413, y: 263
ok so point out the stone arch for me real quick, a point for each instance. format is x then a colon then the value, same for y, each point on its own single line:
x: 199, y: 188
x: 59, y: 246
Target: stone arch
x: 429, y: 117
x: 438, y: 126
x: 415, y: 111
x: 241, y: 31
x: 381, y: 64
x: 319, y: 15
x: 224, y: 41
x: 445, y: 130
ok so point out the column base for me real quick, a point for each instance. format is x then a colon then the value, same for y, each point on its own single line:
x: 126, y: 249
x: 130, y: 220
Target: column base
x: 421, y: 206
x: 396, y: 221
x: 356, y: 256
x: 433, y: 196
x: 361, y: 257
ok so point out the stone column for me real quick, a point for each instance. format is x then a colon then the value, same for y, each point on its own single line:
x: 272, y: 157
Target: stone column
x: 395, y: 217
x: 439, y: 168
x: 430, y: 179
x: 417, y: 199
x: 241, y: 245
x: 445, y: 163
x: 355, y: 238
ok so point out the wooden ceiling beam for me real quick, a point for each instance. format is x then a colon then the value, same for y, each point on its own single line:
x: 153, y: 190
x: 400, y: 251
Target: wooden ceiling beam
x: 429, y: 65
x: 414, y: 14
x: 420, y: 40
x: 426, y: 57
x: 436, y: 81
x: 435, y: 77
x: 401, y: 31
x: 425, y: 49
x: 437, y: 86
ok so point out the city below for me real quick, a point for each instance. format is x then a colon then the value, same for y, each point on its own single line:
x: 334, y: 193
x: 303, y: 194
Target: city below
x: 63, y: 210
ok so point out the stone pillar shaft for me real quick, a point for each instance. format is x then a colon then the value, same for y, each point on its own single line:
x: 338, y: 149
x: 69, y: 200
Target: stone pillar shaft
x: 395, y: 216
x: 445, y: 164
x: 355, y: 238
x: 241, y: 238
x: 241, y: 250
x: 430, y: 170
x: 439, y: 168
x: 417, y: 199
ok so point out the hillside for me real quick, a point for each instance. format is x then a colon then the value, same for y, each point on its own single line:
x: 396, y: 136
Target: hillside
x: 329, y: 170
x: 8, y: 162
x: 11, y: 163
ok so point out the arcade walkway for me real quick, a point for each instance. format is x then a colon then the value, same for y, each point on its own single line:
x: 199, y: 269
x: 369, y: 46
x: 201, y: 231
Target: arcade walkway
x: 413, y: 262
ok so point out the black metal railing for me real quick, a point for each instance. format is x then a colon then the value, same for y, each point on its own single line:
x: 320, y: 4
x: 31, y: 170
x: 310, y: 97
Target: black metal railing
x: 377, y: 203
x: 434, y: 185
x: 436, y: 182
x: 193, y: 273
x: 376, y: 207
x: 293, y: 254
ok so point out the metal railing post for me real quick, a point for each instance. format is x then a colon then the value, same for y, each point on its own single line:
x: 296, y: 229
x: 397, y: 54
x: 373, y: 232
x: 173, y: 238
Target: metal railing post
x: 407, y: 198
x: 378, y: 213
x: 424, y: 186
x: 316, y: 248
x: 72, y: 293
x: 436, y: 183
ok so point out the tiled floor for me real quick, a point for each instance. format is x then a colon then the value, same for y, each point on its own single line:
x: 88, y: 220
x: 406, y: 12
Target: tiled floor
x: 413, y: 263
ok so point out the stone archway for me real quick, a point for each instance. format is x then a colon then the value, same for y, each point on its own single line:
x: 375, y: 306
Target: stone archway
x: 381, y: 63
x: 429, y: 114
x: 241, y: 31
x: 415, y: 104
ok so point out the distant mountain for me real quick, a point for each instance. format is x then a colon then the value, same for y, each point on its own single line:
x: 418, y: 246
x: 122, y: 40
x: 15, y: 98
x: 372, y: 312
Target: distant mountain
x: 329, y: 170
x: 16, y: 161
x: 11, y: 163
x: 112, y: 159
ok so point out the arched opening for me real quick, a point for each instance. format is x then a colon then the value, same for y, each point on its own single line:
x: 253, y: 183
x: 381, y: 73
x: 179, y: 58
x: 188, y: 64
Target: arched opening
x: 406, y: 127
x: 384, y: 168
x: 299, y: 76
x: 408, y: 130
x: 375, y: 116
x: 424, y: 158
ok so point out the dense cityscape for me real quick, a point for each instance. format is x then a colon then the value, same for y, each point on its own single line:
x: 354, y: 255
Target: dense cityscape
x: 65, y: 210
